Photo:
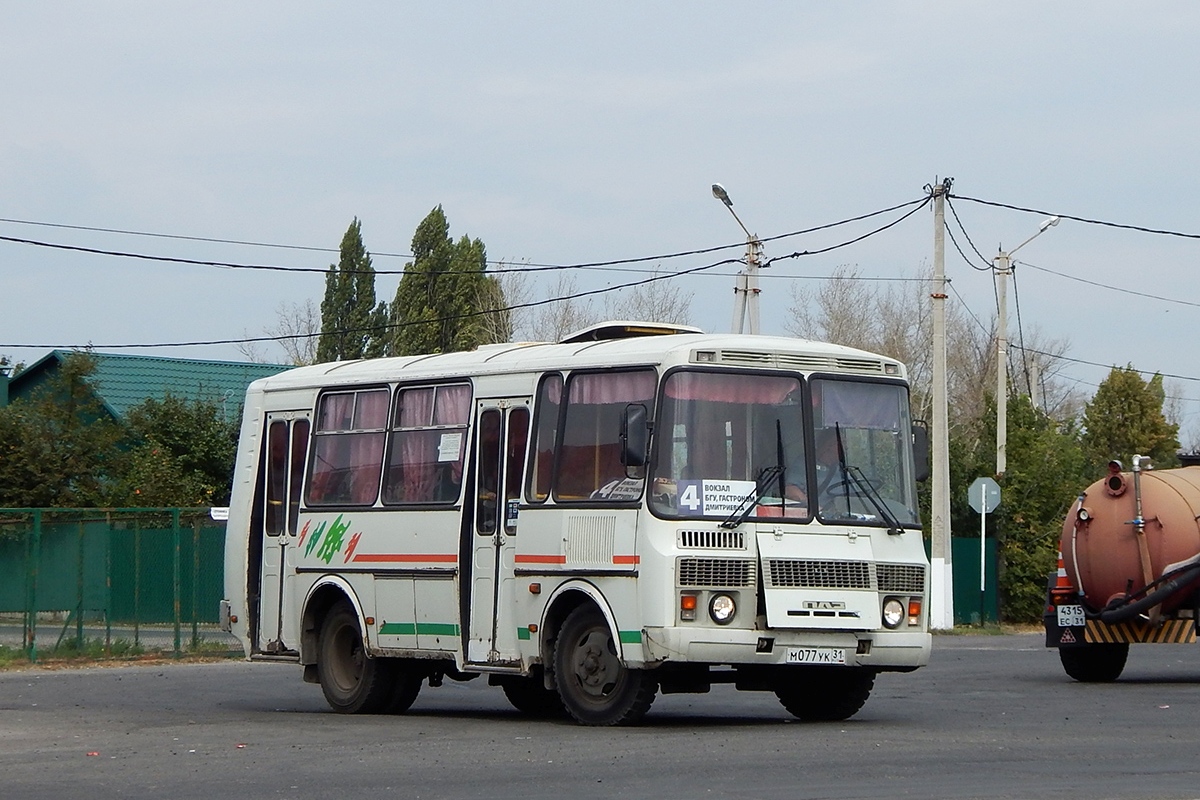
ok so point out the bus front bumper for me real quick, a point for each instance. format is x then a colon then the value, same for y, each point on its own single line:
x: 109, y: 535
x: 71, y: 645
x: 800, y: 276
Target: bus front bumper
x: 882, y: 650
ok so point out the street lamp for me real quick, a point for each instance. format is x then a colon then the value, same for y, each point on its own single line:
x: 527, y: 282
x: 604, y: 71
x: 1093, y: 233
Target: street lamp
x: 1003, y: 267
x: 745, y: 301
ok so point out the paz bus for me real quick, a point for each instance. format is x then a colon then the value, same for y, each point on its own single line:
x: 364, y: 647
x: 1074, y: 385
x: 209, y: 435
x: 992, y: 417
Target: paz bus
x: 639, y: 508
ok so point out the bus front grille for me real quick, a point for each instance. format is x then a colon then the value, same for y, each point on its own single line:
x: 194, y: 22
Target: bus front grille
x: 906, y: 578
x: 723, y: 572
x: 819, y: 574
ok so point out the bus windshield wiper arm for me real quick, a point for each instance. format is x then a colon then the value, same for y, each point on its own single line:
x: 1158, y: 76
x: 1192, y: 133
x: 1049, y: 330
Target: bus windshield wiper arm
x: 750, y: 501
x: 864, y: 486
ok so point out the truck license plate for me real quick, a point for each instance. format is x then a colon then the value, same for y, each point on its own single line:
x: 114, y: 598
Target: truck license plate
x: 816, y: 655
x: 1071, y: 616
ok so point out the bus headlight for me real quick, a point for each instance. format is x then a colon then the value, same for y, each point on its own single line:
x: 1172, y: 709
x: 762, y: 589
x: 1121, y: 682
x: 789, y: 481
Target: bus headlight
x: 893, y: 612
x: 722, y: 608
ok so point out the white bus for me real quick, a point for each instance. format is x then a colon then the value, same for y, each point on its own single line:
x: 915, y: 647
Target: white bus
x: 638, y: 508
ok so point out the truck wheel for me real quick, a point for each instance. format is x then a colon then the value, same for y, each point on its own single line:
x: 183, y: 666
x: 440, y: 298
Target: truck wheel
x: 352, y: 681
x: 826, y: 695
x: 595, y: 687
x: 1094, y: 663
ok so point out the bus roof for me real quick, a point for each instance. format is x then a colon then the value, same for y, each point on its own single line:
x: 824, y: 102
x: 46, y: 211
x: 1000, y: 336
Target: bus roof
x: 746, y: 351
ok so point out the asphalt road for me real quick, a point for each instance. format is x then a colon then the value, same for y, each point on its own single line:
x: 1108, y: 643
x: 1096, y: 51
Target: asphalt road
x: 991, y: 717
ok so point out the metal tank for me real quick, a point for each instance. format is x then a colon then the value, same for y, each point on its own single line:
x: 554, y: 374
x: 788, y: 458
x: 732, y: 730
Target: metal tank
x: 1128, y: 530
x: 1128, y: 570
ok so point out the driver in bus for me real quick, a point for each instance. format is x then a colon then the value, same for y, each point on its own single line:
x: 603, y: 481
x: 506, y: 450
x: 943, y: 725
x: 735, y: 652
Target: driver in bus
x: 827, y: 468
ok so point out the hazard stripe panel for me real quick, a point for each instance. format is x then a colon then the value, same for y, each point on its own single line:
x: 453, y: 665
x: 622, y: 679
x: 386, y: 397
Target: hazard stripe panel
x: 1175, y: 631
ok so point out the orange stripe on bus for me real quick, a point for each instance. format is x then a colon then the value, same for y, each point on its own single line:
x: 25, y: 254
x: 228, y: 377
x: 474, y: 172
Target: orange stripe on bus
x: 407, y: 558
x: 539, y: 559
x: 627, y: 559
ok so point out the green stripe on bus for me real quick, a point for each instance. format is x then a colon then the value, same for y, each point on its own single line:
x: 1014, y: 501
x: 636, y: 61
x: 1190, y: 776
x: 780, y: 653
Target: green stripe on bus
x: 426, y: 628
x: 630, y: 637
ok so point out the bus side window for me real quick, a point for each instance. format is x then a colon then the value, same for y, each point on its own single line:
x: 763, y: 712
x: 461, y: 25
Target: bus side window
x: 488, y: 494
x: 515, y: 442
x: 348, y: 448
x: 541, y: 455
x: 296, y: 477
x: 429, y: 438
x: 277, y: 462
x: 589, y: 459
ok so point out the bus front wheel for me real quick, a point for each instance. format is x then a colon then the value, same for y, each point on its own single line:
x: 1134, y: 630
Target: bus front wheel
x: 352, y: 681
x: 595, y: 686
x: 826, y: 694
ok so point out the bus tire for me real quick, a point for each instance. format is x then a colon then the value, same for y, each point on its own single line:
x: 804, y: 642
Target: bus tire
x: 530, y: 696
x: 406, y: 685
x: 596, y: 688
x: 352, y: 681
x: 1094, y: 663
x: 826, y: 695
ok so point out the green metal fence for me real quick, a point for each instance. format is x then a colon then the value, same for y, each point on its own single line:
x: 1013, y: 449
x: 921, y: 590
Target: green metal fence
x: 91, y: 571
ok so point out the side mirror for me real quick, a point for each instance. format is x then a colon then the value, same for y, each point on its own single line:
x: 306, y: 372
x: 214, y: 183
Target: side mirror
x: 635, y: 436
x: 920, y: 448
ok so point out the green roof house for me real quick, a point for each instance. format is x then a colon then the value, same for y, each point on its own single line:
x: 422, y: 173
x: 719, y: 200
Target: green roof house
x: 124, y: 381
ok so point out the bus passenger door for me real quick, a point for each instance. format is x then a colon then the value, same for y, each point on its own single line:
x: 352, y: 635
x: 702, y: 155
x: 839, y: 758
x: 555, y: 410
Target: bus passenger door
x: 502, y: 433
x: 286, y: 444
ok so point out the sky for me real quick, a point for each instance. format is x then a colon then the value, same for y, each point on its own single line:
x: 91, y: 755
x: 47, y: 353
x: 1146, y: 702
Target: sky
x: 560, y: 134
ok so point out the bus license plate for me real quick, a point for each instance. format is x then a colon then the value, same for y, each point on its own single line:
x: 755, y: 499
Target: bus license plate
x: 1071, y: 616
x: 816, y: 655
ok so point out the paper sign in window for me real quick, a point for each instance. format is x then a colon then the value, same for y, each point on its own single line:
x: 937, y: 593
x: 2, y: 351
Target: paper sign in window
x: 450, y: 446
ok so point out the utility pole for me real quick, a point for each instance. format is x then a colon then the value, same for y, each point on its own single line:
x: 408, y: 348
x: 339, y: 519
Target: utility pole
x: 941, y: 598
x: 1003, y: 268
x: 745, y: 292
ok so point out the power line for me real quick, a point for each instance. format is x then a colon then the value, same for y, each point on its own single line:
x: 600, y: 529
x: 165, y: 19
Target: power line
x: 922, y: 203
x: 1111, y: 288
x: 389, y: 326
x: 392, y: 326
x: 530, y: 266
x: 1113, y: 366
x: 1103, y: 223
x: 961, y: 227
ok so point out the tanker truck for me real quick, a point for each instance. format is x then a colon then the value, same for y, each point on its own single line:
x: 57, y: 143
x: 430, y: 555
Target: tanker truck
x: 1128, y: 568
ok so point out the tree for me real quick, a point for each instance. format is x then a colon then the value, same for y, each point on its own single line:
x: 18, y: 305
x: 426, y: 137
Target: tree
x: 58, y: 448
x: 1045, y: 470
x: 181, y: 453
x: 561, y: 313
x: 436, y: 309
x: 348, y: 310
x: 661, y: 301
x: 1125, y: 418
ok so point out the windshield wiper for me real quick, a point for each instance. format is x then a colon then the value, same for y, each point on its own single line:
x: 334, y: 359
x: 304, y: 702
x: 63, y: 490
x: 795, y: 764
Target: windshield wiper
x: 871, y: 493
x: 750, y: 501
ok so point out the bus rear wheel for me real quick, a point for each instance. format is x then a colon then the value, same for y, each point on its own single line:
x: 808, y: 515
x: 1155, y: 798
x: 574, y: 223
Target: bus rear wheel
x: 826, y: 694
x: 1094, y: 663
x: 352, y: 681
x: 595, y: 686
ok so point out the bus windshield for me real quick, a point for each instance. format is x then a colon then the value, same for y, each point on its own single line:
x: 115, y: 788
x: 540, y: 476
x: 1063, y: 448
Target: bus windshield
x: 727, y: 442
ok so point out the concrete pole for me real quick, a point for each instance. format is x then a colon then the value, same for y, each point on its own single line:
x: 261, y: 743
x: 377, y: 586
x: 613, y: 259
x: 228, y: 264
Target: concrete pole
x: 1002, y: 272
x: 941, y: 598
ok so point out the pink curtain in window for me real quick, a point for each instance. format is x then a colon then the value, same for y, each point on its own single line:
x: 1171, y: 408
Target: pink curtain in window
x: 723, y: 387
x: 337, y: 411
x: 453, y: 405
x: 370, y: 413
x: 612, y: 387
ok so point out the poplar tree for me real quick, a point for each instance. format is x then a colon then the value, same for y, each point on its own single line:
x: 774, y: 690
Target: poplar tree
x: 1125, y: 418
x: 437, y: 308
x: 348, y: 311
